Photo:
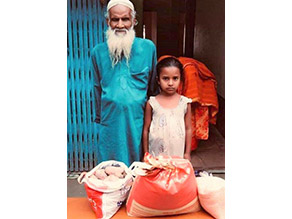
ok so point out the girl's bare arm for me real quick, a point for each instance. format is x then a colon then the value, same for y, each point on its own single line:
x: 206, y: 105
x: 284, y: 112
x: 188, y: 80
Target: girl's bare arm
x: 147, y: 122
x: 188, y: 126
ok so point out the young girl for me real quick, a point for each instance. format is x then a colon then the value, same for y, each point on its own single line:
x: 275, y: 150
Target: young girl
x: 167, y: 121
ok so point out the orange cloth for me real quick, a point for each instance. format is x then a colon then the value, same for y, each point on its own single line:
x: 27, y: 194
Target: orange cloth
x: 200, y: 85
x: 78, y: 208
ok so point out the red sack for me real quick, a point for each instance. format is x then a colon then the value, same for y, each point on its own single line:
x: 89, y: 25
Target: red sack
x: 166, y: 186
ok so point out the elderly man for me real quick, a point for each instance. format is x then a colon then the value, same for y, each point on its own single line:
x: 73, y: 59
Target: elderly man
x: 124, y: 73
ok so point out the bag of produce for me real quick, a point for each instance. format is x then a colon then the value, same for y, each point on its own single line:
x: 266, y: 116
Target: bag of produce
x: 211, y: 191
x: 163, y: 185
x: 107, y: 185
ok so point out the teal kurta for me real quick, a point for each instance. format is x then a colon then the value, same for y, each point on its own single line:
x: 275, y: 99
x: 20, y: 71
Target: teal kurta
x: 121, y: 94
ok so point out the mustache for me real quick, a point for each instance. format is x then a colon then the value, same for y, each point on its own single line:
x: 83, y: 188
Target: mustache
x: 120, y: 32
x: 120, y: 29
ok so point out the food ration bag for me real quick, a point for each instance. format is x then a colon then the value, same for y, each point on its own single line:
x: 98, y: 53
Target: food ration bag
x: 163, y: 185
x: 211, y: 191
x: 106, y: 194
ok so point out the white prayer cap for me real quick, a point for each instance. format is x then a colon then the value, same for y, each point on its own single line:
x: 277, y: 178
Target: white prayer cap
x: 113, y: 3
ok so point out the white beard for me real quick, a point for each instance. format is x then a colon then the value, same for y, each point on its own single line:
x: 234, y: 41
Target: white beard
x: 120, y: 44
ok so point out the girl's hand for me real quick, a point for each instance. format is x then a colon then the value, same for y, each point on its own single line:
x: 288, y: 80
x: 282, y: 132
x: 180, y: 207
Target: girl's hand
x: 187, y: 156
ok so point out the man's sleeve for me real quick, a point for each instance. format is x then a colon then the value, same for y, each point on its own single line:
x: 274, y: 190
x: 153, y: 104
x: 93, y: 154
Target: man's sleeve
x: 153, y: 88
x: 97, y: 89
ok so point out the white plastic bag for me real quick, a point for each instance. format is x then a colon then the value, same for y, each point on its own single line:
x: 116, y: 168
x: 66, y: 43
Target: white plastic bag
x: 211, y: 191
x: 106, y: 197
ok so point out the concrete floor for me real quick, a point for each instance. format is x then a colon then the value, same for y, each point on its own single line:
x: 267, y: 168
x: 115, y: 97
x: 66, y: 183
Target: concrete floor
x: 209, y: 156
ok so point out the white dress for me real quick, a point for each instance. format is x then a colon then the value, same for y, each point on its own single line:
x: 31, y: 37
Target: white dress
x: 167, y: 129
